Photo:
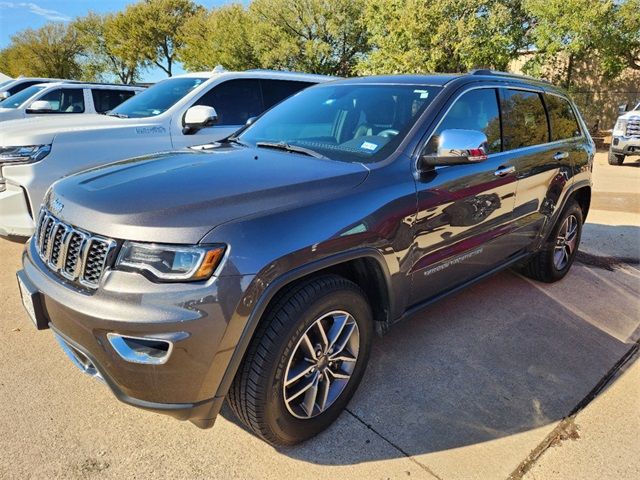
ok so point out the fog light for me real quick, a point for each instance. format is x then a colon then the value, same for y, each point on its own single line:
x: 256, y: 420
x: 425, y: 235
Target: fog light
x: 150, y: 351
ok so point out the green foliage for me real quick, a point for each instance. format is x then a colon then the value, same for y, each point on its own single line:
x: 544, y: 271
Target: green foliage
x: 106, y: 49
x: 152, y: 27
x: 50, y: 51
x: 443, y: 35
x: 316, y: 36
x: 221, y: 36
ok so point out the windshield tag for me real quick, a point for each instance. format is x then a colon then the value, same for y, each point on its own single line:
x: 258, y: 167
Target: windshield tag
x: 368, y: 146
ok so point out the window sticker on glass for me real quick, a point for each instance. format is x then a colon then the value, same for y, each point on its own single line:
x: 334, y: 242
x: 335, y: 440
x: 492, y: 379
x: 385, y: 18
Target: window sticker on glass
x: 423, y: 93
x: 368, y: 146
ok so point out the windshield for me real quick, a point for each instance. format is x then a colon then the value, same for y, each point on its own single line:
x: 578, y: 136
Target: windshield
x: 19, y: 98
x: 350, y: 122
x: 157, y: 99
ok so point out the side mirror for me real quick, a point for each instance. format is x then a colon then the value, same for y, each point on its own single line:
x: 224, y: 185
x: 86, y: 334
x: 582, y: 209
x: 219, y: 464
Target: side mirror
x: 197, y: 118
x: 40, y: 106
x: 624, y: 108
x: 4, y: 95
x: 456, y: 147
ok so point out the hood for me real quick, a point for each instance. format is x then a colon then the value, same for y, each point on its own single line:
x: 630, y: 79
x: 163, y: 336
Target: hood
x: 178, y: 197
x: 43, y: 129
x: 629, y: 115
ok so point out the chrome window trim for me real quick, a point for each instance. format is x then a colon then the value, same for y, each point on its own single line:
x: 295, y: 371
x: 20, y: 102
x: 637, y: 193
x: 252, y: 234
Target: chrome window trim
x: 494, y: 86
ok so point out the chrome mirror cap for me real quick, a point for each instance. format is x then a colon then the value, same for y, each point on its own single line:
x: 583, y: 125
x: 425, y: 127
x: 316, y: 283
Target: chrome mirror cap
x: 458, y: 146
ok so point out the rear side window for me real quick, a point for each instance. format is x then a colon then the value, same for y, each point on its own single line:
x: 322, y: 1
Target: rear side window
x: 235, y: 101
x: 524, y: 121
x: 563, y: 121
x: 474, y: 110
x: 65, y: 100
x: 106, y: 100
x: 274, y: 91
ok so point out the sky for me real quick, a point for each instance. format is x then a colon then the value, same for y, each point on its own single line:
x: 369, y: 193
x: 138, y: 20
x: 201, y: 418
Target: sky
x: 17, y: 15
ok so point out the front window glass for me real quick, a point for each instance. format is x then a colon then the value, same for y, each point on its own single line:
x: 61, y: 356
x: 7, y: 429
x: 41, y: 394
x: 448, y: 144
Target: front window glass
x: 235, y: 101
x: 105, y: 100
x: 349, y: 122
x: 157, y: 99
x: 474, y: 110
x: 65, y: 100
x: 524, y: 121
x: 19, y: 98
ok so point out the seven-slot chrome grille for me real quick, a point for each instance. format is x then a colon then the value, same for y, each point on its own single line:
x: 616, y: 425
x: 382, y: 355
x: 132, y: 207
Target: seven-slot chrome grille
x: 75, y: 255
x: 633, y: 127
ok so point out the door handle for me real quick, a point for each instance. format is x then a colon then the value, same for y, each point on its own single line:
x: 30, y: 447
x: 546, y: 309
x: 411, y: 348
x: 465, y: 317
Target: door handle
x: 560, y: 156
x: 502, y: 171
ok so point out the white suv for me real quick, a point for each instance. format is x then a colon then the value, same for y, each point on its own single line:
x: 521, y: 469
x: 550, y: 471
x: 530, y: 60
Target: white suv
x: 65, y: 98
x: 12, y: 86
x: 181, y: 111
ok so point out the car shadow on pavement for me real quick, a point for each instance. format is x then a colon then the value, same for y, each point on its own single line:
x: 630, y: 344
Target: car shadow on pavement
x: 506, y: 356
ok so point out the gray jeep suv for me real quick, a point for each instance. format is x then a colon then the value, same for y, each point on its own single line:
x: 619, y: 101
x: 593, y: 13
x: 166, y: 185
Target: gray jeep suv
x: 258, y: 269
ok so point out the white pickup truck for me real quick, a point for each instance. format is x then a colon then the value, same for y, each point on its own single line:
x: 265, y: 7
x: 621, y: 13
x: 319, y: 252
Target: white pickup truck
x: 182, y: 111
x: 625, y: 138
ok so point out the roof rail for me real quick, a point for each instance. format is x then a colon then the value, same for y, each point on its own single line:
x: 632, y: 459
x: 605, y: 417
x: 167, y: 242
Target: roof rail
x: 486, y: 71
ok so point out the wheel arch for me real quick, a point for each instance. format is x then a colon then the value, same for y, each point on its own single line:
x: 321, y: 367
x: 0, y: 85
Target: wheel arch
x: 356, y: 266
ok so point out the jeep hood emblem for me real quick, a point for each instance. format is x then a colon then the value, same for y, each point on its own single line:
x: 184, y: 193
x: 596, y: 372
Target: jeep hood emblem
x: 56, y: 206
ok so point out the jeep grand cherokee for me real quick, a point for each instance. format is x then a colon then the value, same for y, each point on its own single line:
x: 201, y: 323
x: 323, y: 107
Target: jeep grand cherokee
x: 259, y: 268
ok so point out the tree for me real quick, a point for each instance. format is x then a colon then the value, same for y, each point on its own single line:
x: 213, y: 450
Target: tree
x: 423, y: 36
x: 565, y: 30
x: 105, y: 52
x: 619, y: 45
x: 316, y: 36
x: 221, y: 36
x: 50, y: 51
x: 153, y: 26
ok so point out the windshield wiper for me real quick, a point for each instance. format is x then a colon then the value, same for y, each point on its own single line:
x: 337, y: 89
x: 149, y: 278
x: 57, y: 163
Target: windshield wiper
x: 290, y: 148
x: 118, y: 115
x: 236, y: 140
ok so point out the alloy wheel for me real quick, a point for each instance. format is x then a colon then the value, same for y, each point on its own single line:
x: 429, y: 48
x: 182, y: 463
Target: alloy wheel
x: 321, y: 364
x: 565, y: 242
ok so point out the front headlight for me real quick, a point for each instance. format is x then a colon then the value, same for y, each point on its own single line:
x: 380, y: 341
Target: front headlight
x: 620, y: 129
x: 23, y: 154
x: 175, y: 263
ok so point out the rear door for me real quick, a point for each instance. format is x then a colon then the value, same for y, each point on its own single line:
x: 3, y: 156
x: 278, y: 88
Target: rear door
x: 543, y: 165
x: 464, y: 211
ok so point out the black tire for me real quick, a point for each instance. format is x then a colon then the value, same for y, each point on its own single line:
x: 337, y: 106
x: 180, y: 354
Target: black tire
x: 542, y: 266
x: 257, y: 393
x: 615, y: 158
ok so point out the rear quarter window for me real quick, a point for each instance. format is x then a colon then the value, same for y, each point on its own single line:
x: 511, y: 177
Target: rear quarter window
x: 524, y: 120
x: 564, y: 123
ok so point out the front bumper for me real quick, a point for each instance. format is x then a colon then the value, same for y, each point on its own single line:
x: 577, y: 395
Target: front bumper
x: 194, y: 316
x: 15, y: 217
x: 626, y: 145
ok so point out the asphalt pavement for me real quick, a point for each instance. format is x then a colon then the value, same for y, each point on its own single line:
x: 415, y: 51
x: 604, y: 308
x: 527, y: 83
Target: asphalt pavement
x: 508, y: 379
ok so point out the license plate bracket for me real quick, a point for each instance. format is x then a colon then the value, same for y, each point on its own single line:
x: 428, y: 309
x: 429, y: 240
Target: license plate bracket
x: 32, y: 301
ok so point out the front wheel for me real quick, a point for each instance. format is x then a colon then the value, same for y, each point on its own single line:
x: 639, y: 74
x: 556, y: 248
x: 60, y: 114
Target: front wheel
x: 554, y: 260
x: 305, y: 361
x: 615, y: 158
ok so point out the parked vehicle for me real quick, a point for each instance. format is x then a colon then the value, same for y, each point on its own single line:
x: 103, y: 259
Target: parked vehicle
x: 65, y: 98
x: 181, y: 111
x: 259, y: 269
x: 15, y: 85
x: 625, y: 138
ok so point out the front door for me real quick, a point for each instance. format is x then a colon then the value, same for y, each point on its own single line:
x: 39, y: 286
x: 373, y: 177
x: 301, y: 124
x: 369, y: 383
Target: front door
x: 464, y: 218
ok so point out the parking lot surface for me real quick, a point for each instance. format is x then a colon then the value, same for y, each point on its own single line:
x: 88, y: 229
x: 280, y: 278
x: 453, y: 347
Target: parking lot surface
x: 508, y: 379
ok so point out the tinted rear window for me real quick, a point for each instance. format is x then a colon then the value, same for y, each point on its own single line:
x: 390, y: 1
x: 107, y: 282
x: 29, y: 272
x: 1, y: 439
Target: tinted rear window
x: 524, y: 121
x: 563, y: 121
